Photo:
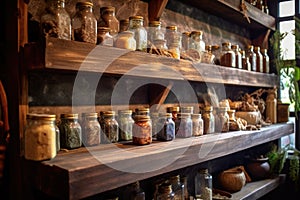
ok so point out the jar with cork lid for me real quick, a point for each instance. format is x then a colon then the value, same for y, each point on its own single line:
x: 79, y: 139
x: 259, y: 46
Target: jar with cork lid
x: 136, y: 25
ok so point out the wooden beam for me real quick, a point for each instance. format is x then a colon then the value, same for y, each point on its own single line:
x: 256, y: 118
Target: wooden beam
x: 156, y: 8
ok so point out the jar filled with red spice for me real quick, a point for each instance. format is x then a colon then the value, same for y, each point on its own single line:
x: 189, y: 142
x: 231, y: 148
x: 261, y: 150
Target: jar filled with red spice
x: 142, y: 130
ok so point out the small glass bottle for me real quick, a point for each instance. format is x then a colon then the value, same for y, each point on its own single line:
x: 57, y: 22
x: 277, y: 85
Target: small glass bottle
x: 183, y: 125
x: 227, y: 56
x: 216, y: 51
x: 40, y: 137
x: 266, y: 61
x: 166, y: 127
x: 165, y: 192
x: 142, y: 130
x: 155, y: 32
x: 259, y: 59
x: 177, y: 187
x: 223, y: 119
x: 185, y: 41
x: 197, y: 124
x: 207, y: 55
x: 245, y: 61
x: 70, y: 131
x: 103, y: 37
x: 208, y: 120
x: 238, y: 56
x: 110, y: 127
x: 84, y: 23
x: 125, y: 40
x: 203, y: 185
x: 108, y: 19
x: 174, y: 110
x: 124, y: 25
x: 125, y: 124
x: 136, y: 25
x: 196, y: 41
x: 91, y: 130
x: 172, y: 36
x: 56, y: 21
x: 252, y: 57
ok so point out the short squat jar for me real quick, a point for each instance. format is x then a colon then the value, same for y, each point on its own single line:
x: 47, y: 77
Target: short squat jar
x: 84, y: 23
x: 103, y: 37
x: 183, y: 125
x: 110, y: 127
x: 166, y: 127
x: 70, y: 131
x: 197, y: 124
x: 125, y: 40
x: 142, y: 130
x: 90, y: 129
x: 136, y: 25
x: 125, y: 125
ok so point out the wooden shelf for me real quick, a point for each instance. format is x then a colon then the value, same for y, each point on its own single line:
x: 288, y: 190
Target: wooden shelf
x: 56, y: 54
x: 84, y: 172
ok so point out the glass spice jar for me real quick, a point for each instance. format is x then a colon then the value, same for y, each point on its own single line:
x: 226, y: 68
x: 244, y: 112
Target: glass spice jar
x: 124, y: 25
x: 259, y: 59
x: 110, y: 127
x: 185, y: 41
x: 197, y: 124
x: 174, y: 110
x: 136, y: 25
x: 155, y: 32
x: 172, y: 36
x: 125, y: 40
x: 183, y: 125
x: 165, y: 192
x: 103, y: 37
x: 238, y: 56
x: 266, y: 61
x: 203, y: 185
x: 125, y: 124
x: 246, y: 65
x: 70, y: 131
x: 177, y: 187
x: 207, y: 55
x: 91, y: 130
x: 108, y: 19
x: 142, y: 130
x: 84, y: 23
x: 208, y: 120
x: 56, y: 21
x: 167, y: 127
x: 223, y: 119
x: 196, y: 41
x: 216, y: 51
x: 40, y: 137
x: 252, y: 57
x: 227, y: 56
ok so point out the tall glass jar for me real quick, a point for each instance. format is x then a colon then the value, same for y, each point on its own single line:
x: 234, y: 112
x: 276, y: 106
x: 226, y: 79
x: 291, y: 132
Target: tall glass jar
x: 142, y: 130
x: 227, y: 55
x: 223, y: 120
x: 155, y: 32
x: 172, y: 36
x: 197, y: 124
x: 252, y: 57
x: 136, y: 25
x: 238, y: 56
x: 183, y: 125
x: 166, y: 127
x: 259, y: 59
x: 84, y: 23
x: 177, y: 187
x: 266, y: 61
x: 108, y: 19
x: 56, y: 21
x: 185, y: 41
x: 125, y: 40
x: 125, y: 124
x: 196, y: 41
x: 91, y: 130
x: 203, y: 185
x: 208, y: 120
x: 246, y: 65
x: 103, y: 37
x: 110, y: 127
x: 165, y: 192
x: 40, y: 137
x: 70, y: 131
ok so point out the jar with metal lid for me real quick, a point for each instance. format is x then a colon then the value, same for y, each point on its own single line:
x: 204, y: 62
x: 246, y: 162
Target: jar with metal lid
x: 91, y: 130
x: 183, y: 125
x: 167, y: 127
x: 40, y: 137
x: 84, y: 23
x: 222, y: 121
x: 259, y: 59
x: 185, y: 41
x: 124, y: 25
x: 110, y: 127
x: 103, y: 37
x: 177, y: 187
x: 266, y: 61
x: 125, y: 40
x: 246, y: 65
x: 172, y: 36
x: 155, y: 32
x: 56, y: 21
x: 165, y: 192
x: 227, y: 56
x: 203, y: 185
x: 196, y: 41
x: 125, y: 124
x: 208, y: 120
x: 143, y: 111
x: 174, y: 110
x: 174, y: 49
x: 136, y: 25
x: 197, y: 124
x: 108, y: 19
x: 238, y: 56
x: 70, y: 131
x: 142, y: 130
x: 252, y: 57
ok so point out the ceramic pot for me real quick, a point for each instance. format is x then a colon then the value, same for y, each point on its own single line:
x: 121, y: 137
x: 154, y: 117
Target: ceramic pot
x: 232, y: 180
x: 258, y: 168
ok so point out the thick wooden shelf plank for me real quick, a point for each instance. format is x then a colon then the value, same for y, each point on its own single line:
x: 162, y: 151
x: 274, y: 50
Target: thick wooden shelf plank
x: 59, y: 54
x: 84, y: 172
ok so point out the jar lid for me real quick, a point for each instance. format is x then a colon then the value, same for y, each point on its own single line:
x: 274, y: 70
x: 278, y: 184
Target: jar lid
x: 167, y: 115
x: 186, y: 33
x: 125, y: 112
x: 208, y: 108
x: 183, y: 115
x: 107, y: 8
x: 137, y: 17
x: 88, y: 115
x: 87, y: 3
x: 142, y: 117
x: 108, y: 113
x: 142, y: 110
x: 172, y: 28
x: 69, y: 116
x: 173, y: 109
x: 49, y: 117
x: 154, y: 23
x: 196, y: 33
x: 103, y: 29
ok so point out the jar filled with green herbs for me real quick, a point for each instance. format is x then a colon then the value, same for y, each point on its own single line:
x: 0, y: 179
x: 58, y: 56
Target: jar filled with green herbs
x: 90, y: 129
x: 125, y: 124
x: 70, y: 131
x: 110, y: 127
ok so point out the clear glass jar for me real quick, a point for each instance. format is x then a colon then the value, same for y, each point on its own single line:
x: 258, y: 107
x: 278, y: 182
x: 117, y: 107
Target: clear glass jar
x: 84, y: 23
x: 125, y: 124
x: 185, y: 41
x: 259, y: 59
x: 223, y: 120
x: 40, y: 137
x: 174, y: 49
x: 124, y: 25
x: 208, y: 120
x: 207, y: 55
x: 56, y: 21
x: 172, y: 36
x: 238, y: 56
x: 252, y: 57
x: 70, y: 131
x: 227, y: 56
x: 246, y: 65
x: 197, y: 124
x: 160, y: 44
x: 183, y: 125
x: 103, y: 37
x: 125, y: 40
x: 177, y: 187
x: 108, y: 19
x: 196, y: 41
x: 91, y: 130
x: 266, y: 61
x: 110, y: 127
x: 203, y: 185
x: 166, y: 127
x: 174, y: 110
x: 142, y: 130
x: 155, y: 32
x: 165, y: 192
x: 136, y: 25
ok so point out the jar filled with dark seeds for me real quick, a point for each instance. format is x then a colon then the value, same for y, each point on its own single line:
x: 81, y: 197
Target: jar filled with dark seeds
x: 90, y: 129
x: 70, y: 131
x: 84, y: 23
x: 166, y: 127
x: 110, y: 127
x: 108, y: 19
x: 125, y: 124
x: 56, y: 22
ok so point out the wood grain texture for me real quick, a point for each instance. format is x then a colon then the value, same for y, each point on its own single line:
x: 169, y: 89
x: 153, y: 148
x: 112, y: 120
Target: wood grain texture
x: 82, y: 173
x: 155, y: 9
